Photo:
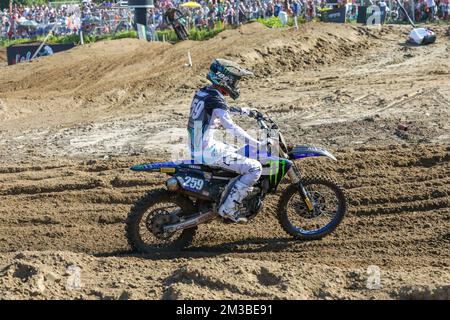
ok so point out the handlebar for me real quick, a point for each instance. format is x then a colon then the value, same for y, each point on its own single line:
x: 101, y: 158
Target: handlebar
x: 273, y: 126
x: 262, y: 122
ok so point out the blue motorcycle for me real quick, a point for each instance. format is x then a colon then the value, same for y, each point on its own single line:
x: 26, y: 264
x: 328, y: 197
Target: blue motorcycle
x: 167, y: 219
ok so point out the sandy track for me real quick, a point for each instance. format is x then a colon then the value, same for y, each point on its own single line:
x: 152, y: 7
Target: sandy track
x: 57, y: 205
x: 71, y: 130
x: 398, y: 221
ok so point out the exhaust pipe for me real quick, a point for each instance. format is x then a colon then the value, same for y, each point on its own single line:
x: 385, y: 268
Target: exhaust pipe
x: 191, y: 222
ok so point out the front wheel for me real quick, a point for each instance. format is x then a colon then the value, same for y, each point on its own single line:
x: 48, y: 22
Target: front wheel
x: 185, y: 32
x: 180, y: 32
x: 329, y: 207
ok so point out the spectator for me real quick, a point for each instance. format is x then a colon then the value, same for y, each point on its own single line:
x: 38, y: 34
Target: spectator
x: 277, y: 8
x: 431, y: 9
x: 382, y: 4
x: 283, y: 16
x: 296, y: 8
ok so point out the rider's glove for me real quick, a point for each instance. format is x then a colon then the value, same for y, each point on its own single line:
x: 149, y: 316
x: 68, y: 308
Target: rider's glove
x: 252, y: 113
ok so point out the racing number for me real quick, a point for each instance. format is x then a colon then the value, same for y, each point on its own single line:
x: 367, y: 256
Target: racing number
x: 196, y: 108
x: 193, y: 183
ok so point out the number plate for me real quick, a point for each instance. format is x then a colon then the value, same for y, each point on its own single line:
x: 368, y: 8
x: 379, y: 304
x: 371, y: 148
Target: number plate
x: 193, y: 183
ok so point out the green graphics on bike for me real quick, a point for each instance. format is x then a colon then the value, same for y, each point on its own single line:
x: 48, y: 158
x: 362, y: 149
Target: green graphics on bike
x: 277, y: 170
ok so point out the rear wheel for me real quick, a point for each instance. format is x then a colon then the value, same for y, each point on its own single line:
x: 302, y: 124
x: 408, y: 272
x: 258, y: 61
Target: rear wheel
x: 146, y: 218
x: 329, y: 203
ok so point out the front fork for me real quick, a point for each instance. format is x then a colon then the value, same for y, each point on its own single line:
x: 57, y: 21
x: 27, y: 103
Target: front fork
x: 295, y: 176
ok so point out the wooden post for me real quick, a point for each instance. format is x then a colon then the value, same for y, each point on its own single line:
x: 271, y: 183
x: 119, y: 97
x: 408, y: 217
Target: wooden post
x: 189, y: 59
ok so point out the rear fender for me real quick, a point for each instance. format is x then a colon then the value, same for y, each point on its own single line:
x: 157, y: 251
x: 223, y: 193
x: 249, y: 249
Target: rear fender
x: 165, y: 167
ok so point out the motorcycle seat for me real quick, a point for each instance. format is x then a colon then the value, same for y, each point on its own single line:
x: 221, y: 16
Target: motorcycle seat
x: 216, y: 171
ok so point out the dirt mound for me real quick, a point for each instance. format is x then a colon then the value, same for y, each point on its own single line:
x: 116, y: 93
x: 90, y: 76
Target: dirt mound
x: 67, y: 275
x: 227, y: 278
x: 424, y: 292
x: 43, y: 275
x: 110, y: 75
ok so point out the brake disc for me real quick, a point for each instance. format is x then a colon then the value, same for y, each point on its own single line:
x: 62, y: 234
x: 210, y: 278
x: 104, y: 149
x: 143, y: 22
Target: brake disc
x: 157, y: 220
x: 318, y: 201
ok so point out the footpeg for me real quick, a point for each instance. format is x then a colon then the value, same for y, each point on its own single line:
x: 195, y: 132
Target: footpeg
x: 233, y: 219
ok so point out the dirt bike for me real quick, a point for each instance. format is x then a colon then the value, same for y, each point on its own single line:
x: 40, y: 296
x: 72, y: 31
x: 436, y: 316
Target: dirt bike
x: 179, y: 27
x: 167, y: 219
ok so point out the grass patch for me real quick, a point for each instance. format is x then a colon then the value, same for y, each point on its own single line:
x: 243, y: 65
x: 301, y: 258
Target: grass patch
x: 72, y: 38
x: 168, y: 35
x: 194, y: 33
x: 274, y: 22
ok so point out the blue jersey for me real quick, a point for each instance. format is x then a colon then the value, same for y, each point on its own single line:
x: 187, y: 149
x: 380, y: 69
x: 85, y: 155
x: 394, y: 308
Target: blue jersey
x: 201, y: 117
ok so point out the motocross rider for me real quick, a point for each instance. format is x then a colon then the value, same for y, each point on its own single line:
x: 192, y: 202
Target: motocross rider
x: 209, y: 109
x: 172, y: 14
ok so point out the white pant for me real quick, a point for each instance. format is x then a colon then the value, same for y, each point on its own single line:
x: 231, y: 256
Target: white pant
x: 233, y: 160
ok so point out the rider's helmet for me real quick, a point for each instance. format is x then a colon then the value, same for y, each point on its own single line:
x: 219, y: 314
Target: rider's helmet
x: 225, y: 75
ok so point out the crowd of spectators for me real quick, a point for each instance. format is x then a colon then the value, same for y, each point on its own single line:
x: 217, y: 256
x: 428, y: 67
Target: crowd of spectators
x: 431, y: 10
x: 236, y: 12
x: 107, y: 17
x: 64, y: 18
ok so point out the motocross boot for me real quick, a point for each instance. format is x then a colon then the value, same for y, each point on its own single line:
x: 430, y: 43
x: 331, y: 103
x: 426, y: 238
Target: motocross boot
x: 230, y: 207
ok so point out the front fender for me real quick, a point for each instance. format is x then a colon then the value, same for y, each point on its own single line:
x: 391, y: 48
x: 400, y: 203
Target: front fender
x: 299, y: 152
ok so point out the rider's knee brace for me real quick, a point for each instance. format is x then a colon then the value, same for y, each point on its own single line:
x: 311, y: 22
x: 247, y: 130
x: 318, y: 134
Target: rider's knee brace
x: 252, y: 173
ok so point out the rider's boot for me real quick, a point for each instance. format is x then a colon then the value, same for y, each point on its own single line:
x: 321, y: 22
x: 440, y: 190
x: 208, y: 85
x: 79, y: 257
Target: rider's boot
x: 230, y: 207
